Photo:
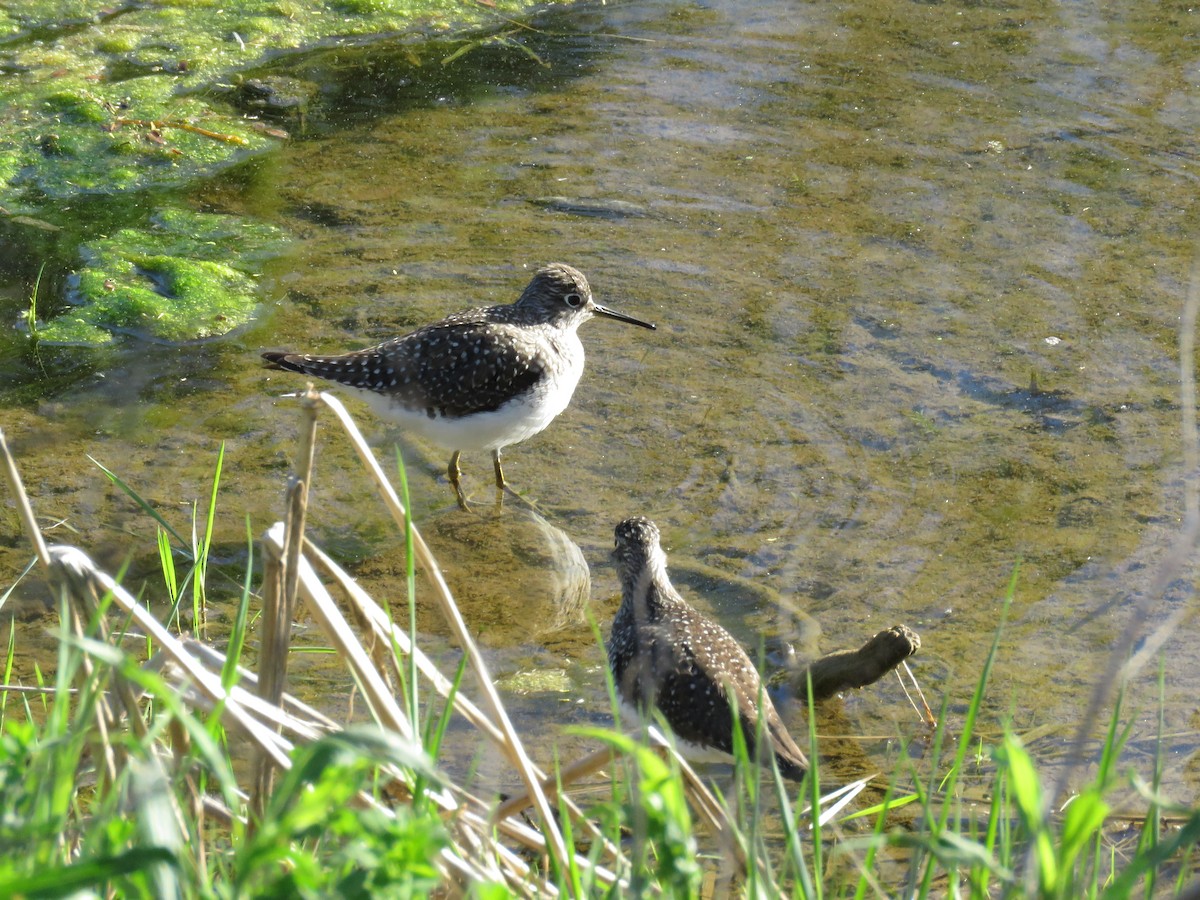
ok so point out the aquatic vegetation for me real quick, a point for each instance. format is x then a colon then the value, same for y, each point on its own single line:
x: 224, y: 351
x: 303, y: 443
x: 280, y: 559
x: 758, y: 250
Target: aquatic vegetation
x: 187, y: 275
x: 98, y: 99
x: 171, y: 777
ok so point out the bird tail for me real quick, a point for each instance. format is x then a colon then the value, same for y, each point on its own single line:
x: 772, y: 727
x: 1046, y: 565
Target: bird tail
x: 284, y: 361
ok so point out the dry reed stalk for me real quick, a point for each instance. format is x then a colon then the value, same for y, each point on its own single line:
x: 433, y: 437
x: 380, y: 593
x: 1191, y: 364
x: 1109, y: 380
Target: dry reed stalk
x: 292, y: 713
x: 532, y: 839
x: 71, y: 565
x: 387, y: 632
x: 266, y: 735
x: 511, y: 744
x: 279, y: 592
x: 380, y: 700
x: 297, y: 494
x: 279, y: 600
x: 552, y: 784
x: 186, y: 663
x: 24, y: 510
x: 271, y: 659
x: 70, y: 570
x: 293, y: 717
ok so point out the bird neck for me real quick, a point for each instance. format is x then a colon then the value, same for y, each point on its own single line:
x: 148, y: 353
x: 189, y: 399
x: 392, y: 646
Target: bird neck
x: 647, y: 591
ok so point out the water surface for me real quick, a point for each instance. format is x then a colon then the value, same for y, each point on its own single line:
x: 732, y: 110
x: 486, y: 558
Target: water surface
x: 917, y: 271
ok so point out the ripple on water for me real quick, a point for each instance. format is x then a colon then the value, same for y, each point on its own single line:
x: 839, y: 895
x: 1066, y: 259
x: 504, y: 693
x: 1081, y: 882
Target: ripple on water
x: 862, y: 224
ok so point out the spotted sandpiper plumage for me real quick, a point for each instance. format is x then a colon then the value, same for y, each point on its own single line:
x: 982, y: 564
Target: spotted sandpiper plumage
x: 665, y: 654
x: 477, y: 380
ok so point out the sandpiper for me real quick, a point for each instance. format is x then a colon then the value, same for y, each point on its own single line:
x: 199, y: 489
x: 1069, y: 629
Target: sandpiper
x: 664, y: 653
x: 477, y: 380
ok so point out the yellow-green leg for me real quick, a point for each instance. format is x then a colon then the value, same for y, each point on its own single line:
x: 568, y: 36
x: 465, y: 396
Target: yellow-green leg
x: 503, y: 487
x: 500, y: 482
x: 455, y: 474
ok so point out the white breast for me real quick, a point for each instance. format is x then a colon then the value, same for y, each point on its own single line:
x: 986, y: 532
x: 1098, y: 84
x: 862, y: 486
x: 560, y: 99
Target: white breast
x: 517, y: 420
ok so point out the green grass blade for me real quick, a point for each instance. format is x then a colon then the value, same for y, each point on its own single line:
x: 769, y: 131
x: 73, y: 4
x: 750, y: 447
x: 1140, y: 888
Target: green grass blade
x: 166, y: 561
x: 62, y: 881
x: 237, y: 634
x: 410, y: 571
x: 9, y: 654
x: 1026, y: 791
x: 137, y: 498
x: 12, y: 587
x: 813, y: 783
x: 201, y: 553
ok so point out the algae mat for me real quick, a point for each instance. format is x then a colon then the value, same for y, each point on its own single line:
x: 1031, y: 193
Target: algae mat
x: 103, y: 106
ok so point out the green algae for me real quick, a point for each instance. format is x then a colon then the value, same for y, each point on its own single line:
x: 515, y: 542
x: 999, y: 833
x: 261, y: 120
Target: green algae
x: 98, y: 99
x: 190, y: 277
x: 84, y: 81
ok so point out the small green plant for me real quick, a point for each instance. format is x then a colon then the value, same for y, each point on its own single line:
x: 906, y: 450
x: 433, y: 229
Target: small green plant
x: 127, y: 780
x: 197, y: 549
x: 665, y: 855
x: 315, y: 841
x: 31, y: 313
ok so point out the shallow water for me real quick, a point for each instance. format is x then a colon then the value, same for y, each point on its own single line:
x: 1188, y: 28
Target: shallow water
x: 917, y: 271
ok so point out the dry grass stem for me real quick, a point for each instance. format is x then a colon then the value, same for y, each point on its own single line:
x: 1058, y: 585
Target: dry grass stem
x: 386, y: 630
x: 274, y: 632
x: 381, y: 702
x: 923, y: 710
x: 1122, y: 664
x: 297, y: 507
x: 576, y: 771
x: 71, y: 567
x: 28, y: 520
x: 292, y: 713
x: 511, y: 745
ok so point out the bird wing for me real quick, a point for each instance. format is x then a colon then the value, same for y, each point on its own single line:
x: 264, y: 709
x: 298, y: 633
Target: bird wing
x: 721, y: 670
x: 694, y: 696
x: 697, y: 709
x: 462, y: 365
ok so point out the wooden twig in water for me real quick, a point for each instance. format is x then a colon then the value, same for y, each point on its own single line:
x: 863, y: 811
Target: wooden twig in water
x: 159, y: 124
x: 846, y: 669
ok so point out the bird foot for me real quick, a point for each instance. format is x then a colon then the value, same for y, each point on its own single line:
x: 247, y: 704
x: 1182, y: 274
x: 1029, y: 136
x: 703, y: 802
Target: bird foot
x: 520, y: 498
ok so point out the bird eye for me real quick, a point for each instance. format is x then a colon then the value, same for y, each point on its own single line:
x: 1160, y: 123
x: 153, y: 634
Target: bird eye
x: 574, y: 300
